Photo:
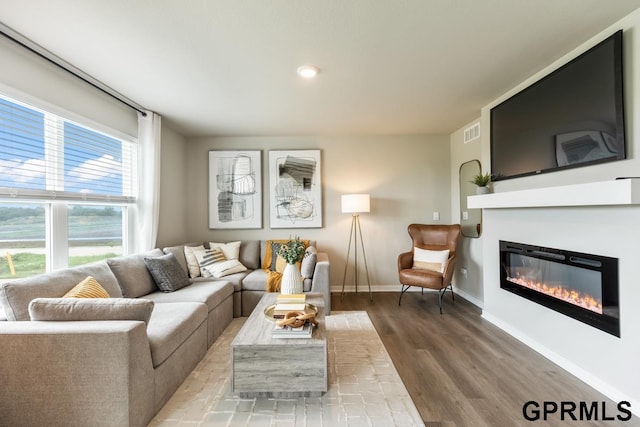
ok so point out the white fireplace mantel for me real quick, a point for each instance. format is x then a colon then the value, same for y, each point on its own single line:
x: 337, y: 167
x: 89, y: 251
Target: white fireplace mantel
x: 604, y: 193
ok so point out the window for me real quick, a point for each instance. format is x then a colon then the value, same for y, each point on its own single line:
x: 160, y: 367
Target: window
x: 65, y: 191
x: 95, y: 233
x: 22, y: 239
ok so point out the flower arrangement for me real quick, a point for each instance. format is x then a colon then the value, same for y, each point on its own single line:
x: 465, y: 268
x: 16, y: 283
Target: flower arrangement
x: 292, y: 251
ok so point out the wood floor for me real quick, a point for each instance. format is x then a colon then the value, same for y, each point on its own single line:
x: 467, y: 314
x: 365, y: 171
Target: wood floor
x: 461, y: 370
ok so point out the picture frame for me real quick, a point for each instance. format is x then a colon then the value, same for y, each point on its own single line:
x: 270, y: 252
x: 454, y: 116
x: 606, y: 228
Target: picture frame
x: 295, y: 189
x: 235, y: 189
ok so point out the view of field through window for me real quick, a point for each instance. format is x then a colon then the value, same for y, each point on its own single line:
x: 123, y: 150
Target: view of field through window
x: 95, y: 233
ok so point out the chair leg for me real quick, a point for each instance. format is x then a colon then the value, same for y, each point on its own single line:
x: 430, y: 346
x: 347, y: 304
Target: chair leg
x: 405, y: 288
x: 441, y: 293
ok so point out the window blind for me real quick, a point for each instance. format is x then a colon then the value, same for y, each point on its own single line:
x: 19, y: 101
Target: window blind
x: 45, y: 156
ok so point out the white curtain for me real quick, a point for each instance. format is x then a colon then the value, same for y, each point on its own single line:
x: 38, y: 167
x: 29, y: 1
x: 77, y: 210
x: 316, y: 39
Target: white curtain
x: 148, y: 206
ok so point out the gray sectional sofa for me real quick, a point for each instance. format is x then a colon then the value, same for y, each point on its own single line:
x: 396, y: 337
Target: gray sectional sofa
x: 65, y: 362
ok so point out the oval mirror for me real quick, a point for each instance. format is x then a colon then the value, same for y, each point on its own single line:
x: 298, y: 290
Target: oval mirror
x: 470, y: 219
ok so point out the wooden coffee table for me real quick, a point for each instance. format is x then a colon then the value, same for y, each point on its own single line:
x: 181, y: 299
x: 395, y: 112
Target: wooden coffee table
x: 262, y: 366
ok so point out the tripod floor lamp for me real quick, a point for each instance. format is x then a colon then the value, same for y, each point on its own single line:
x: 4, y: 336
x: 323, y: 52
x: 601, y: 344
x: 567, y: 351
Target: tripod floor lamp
x: 355, y: 204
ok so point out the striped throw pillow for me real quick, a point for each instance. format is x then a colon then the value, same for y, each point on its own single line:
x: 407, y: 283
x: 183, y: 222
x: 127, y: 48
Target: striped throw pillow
x: 208, y: 257
x: 88, y: 288
x: 424, y: 259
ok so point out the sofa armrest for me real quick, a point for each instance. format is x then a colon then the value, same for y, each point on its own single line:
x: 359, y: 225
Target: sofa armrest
x: 76, y: 373
x: 320, y: 281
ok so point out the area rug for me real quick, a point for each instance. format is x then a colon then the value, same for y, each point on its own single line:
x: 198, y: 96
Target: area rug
x: 364, y: 387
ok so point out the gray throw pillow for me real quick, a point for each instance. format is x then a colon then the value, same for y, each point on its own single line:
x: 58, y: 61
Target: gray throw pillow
x: 309, y: 261
x: 79, y: 309
x: 167, y: 272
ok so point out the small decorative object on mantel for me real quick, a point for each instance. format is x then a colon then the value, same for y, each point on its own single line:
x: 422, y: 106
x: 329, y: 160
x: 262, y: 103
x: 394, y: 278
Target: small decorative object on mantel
x: 482, y: 181
x: 292, y: 252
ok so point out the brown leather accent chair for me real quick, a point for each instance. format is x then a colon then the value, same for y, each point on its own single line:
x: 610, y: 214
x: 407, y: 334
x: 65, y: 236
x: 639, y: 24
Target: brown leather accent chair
x: 434, y: 238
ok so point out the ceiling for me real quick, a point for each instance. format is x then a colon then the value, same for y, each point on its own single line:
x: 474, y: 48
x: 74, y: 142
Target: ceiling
x: 227, y: 67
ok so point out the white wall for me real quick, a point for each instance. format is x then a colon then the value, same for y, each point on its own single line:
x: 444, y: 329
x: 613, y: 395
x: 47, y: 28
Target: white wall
x: 606, y: 362
x: 469, y: 254
x: 29, y: 74
x: 172, y: 227
x: 407, y: 177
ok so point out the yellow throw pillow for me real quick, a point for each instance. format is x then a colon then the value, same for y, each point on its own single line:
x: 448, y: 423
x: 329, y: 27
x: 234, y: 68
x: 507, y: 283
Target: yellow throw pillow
x: 281, y: 263
x: 88, y: 288
x: 272, y: 261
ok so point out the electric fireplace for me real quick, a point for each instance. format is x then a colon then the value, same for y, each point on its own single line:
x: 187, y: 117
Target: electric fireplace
x: 582, y: 286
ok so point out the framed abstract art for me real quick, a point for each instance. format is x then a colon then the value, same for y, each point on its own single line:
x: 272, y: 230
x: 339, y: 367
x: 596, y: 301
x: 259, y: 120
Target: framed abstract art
x: 295, y: 189
x: 235, y: 189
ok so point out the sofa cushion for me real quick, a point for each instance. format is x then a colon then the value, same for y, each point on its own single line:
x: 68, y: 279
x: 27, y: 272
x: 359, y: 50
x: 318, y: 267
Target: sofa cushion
x: 250, y: 254
x: 132, y: 273
x: 78, y: 309
x: 209, y: 292
x: 167, y: 272
x: 170, y: 325
x: 16, y: 294
x: 235, y: 279
x: 88, y: 288
x: 180, y: 252
x: 255, y: 281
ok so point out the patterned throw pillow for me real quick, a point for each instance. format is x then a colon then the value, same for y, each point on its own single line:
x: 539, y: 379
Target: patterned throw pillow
x: 88, y: 288
x: 309, y: 262
x: 424, y: 259
x: 206, y: 258
x: 167, y: 272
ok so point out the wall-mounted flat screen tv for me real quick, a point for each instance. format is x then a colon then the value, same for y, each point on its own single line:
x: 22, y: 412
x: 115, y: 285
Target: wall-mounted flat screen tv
x: 572, y: 117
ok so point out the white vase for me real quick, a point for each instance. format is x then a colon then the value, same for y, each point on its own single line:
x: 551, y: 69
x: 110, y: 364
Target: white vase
x: 291, y: 280
x: 482, y: 190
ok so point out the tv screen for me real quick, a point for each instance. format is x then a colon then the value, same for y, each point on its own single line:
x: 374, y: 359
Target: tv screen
x: 572, y: 117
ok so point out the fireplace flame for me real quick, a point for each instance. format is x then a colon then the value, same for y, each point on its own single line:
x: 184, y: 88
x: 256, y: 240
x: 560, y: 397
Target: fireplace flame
x: 568, y: 295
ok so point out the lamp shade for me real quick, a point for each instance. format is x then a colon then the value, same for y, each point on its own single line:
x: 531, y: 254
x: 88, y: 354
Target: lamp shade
x: 355, y: 203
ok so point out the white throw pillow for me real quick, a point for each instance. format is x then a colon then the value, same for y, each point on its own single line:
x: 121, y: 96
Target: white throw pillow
x: 224, y: 268
x: 424, y: 259
x: 192, y: 261
x: 230, y: 250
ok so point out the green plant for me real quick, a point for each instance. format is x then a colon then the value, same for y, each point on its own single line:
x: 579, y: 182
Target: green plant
x: 482, y: 180
x: 292, y: 251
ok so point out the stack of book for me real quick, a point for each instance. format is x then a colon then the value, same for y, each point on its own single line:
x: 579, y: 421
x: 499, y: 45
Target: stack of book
x: 304, y: 331
x: 287, y: 303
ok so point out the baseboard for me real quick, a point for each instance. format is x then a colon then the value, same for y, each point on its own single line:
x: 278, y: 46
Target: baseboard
x: 473, y: 300
x: 396, y: 288
x: 377, y: 288
x: 593, y: 381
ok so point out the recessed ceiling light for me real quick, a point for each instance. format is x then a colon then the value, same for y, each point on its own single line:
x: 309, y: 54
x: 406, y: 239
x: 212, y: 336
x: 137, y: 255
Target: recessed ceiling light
x: 308, y: 71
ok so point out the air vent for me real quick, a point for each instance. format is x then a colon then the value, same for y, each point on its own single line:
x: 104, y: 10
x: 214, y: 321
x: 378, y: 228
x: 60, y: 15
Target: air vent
x: 472, y: 132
